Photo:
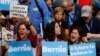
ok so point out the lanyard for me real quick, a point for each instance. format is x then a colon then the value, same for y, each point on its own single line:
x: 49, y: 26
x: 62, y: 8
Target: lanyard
x: 71, y: 18
x: 89, y: 27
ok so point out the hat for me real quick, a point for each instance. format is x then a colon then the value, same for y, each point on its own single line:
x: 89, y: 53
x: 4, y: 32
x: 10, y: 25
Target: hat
x: 86, y: 10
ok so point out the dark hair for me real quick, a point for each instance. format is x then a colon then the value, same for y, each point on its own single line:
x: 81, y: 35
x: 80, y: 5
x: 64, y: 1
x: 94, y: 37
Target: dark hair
x: 23, y: 1
x: 8, y: 23
x: 79, y: 31
x: 77, y: 28
x: 2, y: 22
x: 22, y: 23
x: 49, y: 32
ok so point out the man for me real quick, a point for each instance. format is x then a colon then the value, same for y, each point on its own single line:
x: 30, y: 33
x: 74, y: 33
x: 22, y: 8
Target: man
x: 90, y: 26
x: 88, y: 23
x: 72, y: 11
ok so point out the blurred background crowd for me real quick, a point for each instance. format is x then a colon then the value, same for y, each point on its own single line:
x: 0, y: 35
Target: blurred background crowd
x: 74, y: 21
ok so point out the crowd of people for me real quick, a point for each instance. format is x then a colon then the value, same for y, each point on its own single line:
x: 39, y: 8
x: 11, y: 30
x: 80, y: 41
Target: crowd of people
x: 62, y: 20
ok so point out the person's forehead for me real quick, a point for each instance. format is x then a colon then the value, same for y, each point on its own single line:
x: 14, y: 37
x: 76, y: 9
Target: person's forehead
x: 67, y: 3
x: 75, y: 30
x: 22, y: 26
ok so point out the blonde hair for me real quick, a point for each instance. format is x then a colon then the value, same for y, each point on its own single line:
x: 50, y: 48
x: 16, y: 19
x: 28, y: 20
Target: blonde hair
x: 58, y: 9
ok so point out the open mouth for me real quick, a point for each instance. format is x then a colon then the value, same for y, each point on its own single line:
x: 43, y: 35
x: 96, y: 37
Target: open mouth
x: 72, y: 37
x: 21, y: 33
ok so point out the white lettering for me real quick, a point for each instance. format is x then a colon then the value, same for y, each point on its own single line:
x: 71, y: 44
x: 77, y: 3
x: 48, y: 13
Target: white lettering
x: 57, y: 49
x: 16, y: 49
x: 8, y: 1
x: 82, y: 47
x: 81, y: 52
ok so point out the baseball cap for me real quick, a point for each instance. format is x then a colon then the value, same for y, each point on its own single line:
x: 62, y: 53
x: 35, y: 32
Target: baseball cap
x: 86, y: 10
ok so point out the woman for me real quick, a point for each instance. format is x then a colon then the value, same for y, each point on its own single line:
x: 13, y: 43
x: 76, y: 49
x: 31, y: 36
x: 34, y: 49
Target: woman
x: 75, y: 35
x: 27, y: 32
x: 59, y: 16
x: 53, y: 32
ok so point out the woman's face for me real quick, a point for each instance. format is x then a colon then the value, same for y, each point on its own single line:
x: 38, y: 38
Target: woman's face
x: 58, y: 16
x: 57, y: 29
x: 74, y: 35
x: 23, y: 32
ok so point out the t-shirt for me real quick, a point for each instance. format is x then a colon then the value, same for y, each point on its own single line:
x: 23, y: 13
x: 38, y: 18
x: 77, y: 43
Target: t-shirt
x: 93, y: 25
x: 33, y: 40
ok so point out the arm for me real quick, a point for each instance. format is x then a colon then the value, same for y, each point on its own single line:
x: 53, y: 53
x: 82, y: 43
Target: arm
x: 32, y: 28
x: 89, y: 35
x: 97, y: 30
x: 44, y: 8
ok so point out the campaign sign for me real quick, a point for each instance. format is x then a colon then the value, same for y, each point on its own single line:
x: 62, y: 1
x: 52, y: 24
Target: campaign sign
x: 54, y: 49
x: 5, y: 4
x: 86, y: 49
x: 20, y: 48
x: 19, y: 11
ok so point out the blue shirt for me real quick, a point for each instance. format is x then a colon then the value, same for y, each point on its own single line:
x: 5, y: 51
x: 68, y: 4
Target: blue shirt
x: 35, y: 15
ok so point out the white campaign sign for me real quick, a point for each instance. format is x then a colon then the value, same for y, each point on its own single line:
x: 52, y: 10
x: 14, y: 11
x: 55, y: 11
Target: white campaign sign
x: 19, y: 11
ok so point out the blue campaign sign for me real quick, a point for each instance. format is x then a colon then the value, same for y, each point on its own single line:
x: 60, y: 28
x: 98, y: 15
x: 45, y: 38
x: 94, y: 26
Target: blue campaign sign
x: 5, y: 4
x: 54, y: 49
x: 20, y: 48
x: 86, y: 49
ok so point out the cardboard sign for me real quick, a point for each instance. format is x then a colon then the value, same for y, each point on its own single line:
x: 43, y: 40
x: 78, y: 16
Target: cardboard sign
x: 19, y: 11
x: 20, y: 48
x: 5, y: 4
x: 54, y: 49
x: 87, y: 49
